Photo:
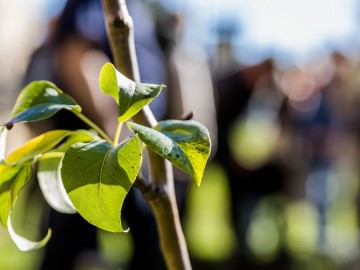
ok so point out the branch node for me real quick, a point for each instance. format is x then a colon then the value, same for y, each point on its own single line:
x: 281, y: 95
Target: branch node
x: 121, y: 21
x: 152, y: 192
x: 187, y: 116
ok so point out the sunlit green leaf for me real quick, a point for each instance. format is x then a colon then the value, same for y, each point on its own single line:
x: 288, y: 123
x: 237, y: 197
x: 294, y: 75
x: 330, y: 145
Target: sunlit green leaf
x: 24, y: 244
x: 38, y: 101
x: 80, y: 135
x: 130, y: 96
x: 52, y: 186
x: 108, y: 81
x: 36, y: 146
x: 186, y: 144
x: 12, y: 180
x: 49, y: 175
x: 97, y: 177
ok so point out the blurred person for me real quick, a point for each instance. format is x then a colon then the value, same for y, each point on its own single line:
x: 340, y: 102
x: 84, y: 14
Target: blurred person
x: 321, y: 156
x: 246, y: 95
x: 336, y: 162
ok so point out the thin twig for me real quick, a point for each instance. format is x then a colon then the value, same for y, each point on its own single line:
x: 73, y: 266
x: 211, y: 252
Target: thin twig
x: 93, y: 125
x: 117, y: 134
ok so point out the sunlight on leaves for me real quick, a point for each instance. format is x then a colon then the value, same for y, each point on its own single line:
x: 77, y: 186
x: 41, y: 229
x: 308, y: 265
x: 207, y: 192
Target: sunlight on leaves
x: 97, y: 178
x: 49, y: 175
x: 16, y: 170
x: 40, y: 100
x: 36, y: 146
x: 130, y: 96
x: 186, y: 144
x: 12, y: 180
x: 80, y: 135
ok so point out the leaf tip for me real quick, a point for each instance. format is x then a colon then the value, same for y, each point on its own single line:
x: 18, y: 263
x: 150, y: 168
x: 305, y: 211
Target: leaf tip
x: 125, y: 230
x: 108, y: 65
x: 131, y: 125
x: 197, y: 181
x: 24, y: 244
x: 104, y: 69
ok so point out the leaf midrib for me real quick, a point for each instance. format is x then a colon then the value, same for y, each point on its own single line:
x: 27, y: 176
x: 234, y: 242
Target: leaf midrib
x: 100, y: 183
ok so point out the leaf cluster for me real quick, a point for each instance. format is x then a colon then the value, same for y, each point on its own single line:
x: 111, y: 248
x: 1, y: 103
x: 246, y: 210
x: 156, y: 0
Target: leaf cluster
x: 85, y: 171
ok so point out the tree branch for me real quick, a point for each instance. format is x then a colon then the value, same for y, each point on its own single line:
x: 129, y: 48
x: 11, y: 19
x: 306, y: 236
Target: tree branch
x: 120, y: 29
x: 160, y: 192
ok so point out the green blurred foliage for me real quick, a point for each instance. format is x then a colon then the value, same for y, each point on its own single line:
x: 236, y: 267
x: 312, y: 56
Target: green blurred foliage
x: 207, y: 227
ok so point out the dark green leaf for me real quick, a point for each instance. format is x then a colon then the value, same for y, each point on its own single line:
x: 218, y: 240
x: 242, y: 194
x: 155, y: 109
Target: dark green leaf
x: 97, y: 178
x: 186, y: 144
x: 130, y: 96
x: 40, y: 100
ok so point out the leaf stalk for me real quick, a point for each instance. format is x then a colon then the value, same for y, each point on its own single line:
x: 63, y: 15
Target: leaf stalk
x: 117, y: 133
x: 93, y: 125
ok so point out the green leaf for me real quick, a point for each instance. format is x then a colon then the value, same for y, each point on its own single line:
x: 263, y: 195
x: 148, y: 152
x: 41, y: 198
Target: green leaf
x: 108, y: 81
x: 38, y: 101
x: 24, y: 244
x: 49, y: 175
x: 97, y: 178
x: 80, y: 135
x: 36, y: 146
x: 186, y: 144
x: 52, y: 186
x: 12, y: 180
x: 16, y: 169
x: 130, y: 96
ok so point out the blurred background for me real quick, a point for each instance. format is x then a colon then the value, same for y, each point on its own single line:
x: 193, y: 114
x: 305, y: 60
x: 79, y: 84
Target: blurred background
x: 276, y: 82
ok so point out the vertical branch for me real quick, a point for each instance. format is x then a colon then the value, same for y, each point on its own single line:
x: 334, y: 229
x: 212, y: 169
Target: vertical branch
x: 161, y: 199
x: 120, y: 32
x: 120, y: 29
